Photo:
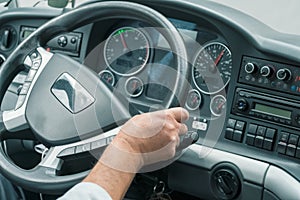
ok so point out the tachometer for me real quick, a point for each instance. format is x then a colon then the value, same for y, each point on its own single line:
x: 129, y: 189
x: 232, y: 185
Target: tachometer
x: 126, y: 51
x: 212, y: 68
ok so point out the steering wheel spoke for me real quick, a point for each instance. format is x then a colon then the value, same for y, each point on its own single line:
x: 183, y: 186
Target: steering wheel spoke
x: 54, y: 156
x: 15, y: 120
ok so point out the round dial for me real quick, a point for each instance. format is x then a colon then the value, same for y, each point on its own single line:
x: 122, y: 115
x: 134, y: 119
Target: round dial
x: 134, y: 87
x: 107, y: 77
x: 193, y: 100
x: 126, y: 51
x: 218, y: 105
x: 212, y: 68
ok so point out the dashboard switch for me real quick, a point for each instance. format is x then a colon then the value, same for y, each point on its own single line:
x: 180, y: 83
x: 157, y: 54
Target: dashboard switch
x: 229, y: 133
x: 268, y: 144
x: 252, y: 129
x: 281, y: 147
x: 250, y: 139
x: 284, y: 74
x: 258, y: 142
x: 250, y: 68
x: 62, y: 41
x: 240, y: 126
x: 266, y: 71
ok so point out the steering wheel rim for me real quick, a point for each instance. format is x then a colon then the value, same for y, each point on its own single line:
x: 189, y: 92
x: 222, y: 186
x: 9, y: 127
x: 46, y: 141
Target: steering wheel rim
x: 43, y: 177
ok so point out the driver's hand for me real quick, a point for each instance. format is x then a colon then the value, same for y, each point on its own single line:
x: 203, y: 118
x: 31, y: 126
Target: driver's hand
x: 146, y: 139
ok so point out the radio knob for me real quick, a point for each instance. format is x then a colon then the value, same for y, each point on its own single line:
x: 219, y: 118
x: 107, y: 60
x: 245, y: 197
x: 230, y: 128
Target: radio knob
x: 283, y: 74
x: 250, y: 68
x: 266, y: 71
x: 242, y: 104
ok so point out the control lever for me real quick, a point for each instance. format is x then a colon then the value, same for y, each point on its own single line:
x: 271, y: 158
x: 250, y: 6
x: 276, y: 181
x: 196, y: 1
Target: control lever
x: 187, y: 139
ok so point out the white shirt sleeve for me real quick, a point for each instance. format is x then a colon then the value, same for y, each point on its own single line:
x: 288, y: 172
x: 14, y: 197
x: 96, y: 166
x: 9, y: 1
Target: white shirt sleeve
x: 86, y: 191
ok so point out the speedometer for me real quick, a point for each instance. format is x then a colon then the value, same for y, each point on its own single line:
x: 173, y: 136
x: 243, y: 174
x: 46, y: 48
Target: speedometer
x: 126, y: 51
x: 212, y: 68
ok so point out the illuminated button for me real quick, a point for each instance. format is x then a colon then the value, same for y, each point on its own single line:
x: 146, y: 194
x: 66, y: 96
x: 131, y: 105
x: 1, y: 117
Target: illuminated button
x: 294, y: 88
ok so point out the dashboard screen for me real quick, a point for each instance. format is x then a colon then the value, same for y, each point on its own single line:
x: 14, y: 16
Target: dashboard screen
x: 273, y: 111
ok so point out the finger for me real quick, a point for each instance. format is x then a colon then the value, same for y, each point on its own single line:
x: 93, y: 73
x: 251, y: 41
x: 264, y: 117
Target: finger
x: 180, y: 114
x: 183, y: 129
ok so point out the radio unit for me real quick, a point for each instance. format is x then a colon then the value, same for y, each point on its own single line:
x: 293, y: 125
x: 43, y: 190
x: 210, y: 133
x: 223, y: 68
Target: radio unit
x: 267, y: 107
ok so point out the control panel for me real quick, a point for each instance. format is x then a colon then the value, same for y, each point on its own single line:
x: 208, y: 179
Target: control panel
x: 270, y: 75
x: 68, y: 43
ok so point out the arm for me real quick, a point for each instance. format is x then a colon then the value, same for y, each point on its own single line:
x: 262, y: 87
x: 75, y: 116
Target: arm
x: 138, y: 143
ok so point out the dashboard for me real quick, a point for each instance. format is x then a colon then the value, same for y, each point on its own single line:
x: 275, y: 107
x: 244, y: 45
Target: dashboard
x: 242, y: 90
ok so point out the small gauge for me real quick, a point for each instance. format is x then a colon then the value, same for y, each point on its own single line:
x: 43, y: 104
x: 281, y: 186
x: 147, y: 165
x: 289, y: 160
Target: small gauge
x: 193, y: 100
x: 107, y: 77
x: 134, y: 87
x: 218, y: 105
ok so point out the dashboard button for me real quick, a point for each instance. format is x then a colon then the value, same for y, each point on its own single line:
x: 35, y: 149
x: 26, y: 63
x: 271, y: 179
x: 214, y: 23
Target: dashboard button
x: 30, y: 75
x: 268, y: 144
x: 252, y: 129
x: 298, y: 152
x: 237, y: 136
x: 66, y: 152
x: 98, y: 144
x: 261, y: 130
x: 281, y: 147
x: 284, y: 137
x: 25, y: 88
x: 250, y: 139
x: 293, y: 139
x: 240, y: 126
x: 231, y: 123
x: 270, y: 134
x: 258, y: 142
x: 291, y: 150
x: 229, y: 133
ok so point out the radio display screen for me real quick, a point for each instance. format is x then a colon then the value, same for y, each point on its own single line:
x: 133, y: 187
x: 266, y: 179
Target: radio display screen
x: 273, y: 111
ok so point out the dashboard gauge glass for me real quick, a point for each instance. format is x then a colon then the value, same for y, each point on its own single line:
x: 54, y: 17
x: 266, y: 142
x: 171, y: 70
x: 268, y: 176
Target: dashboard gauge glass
x: 126, y: 51
x: 193, y: 100
x: 134, y: 87
x: 108, y: 77
x: 218, y: 105
x: 212, y: 68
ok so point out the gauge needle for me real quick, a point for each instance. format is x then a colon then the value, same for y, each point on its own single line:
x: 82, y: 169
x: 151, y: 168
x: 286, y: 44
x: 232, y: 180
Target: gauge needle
x: 123, y: 42
x: 219, y: 58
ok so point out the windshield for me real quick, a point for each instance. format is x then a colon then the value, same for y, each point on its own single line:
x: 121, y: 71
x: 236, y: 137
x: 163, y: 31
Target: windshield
x: 279, y: 15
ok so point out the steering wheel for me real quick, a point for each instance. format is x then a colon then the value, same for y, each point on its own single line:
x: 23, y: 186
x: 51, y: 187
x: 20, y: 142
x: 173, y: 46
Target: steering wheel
x: 63, y: 102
